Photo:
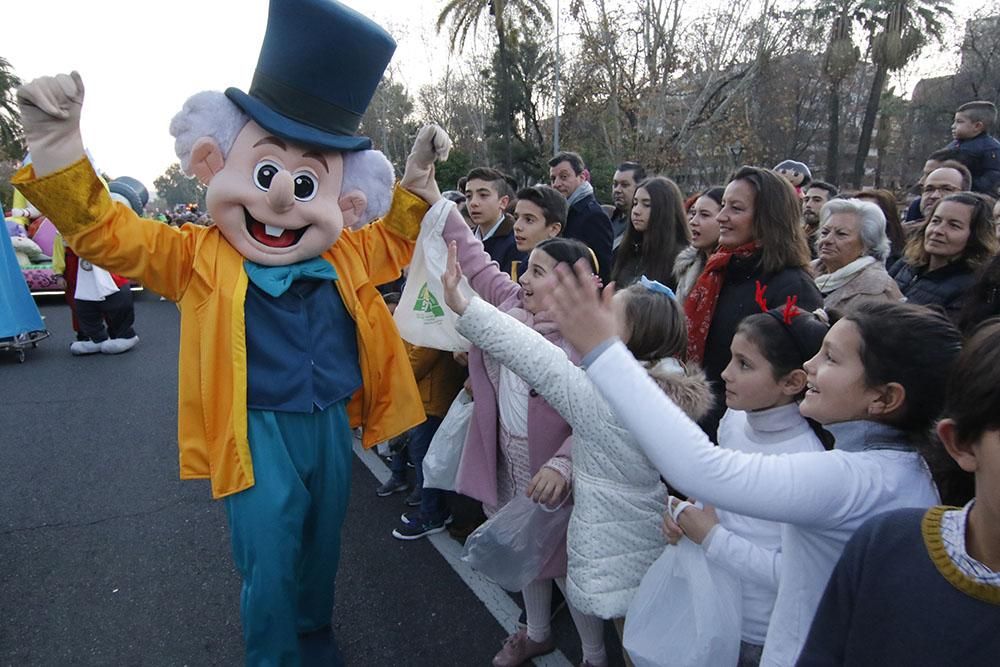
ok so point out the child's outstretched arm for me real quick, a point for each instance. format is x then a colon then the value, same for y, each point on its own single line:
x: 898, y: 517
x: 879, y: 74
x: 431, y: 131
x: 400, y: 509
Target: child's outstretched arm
x: 807, y: 488
x: 543, y: 365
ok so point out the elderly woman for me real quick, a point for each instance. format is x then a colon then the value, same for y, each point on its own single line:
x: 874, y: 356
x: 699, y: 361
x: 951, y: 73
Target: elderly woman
x: 851, y: 248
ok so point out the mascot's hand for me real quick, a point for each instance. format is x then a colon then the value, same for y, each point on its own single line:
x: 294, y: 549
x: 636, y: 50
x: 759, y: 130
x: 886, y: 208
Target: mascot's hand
x: 432, y: 144
x: 50, y: 115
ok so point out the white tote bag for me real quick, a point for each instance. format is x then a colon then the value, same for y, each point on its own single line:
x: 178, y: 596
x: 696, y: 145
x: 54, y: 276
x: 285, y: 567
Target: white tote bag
x: 422, y: 317
x: 686, y: 613
x: 445, y: 451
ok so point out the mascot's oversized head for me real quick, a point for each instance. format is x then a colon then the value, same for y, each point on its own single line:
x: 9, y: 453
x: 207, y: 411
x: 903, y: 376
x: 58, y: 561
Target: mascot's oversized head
x: 285, y: 171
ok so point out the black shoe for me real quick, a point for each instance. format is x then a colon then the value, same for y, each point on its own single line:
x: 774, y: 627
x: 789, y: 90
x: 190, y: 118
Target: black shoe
x: 417, y: 529
x: 413, y: 500
x: 415, y: 517
x: 391, y: 486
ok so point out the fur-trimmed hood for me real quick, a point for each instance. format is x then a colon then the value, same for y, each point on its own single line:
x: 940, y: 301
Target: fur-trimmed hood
x: 690, y: 390
x: 687, y: 268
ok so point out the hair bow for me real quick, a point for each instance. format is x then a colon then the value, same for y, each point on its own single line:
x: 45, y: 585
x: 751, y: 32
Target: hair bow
x: 657, y: 286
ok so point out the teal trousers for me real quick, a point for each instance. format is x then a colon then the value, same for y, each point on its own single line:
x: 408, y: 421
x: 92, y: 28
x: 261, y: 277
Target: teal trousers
x: 286, y: 528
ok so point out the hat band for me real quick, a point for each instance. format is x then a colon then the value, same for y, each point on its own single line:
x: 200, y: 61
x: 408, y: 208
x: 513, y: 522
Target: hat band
x: 307, y: 109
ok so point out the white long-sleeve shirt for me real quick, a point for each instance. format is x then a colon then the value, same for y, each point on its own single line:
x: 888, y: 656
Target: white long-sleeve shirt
x: 823, y: 496
x: 748, y: 547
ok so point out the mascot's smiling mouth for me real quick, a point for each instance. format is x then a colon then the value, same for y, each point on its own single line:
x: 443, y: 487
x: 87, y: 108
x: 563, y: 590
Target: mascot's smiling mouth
x: 271, y: 236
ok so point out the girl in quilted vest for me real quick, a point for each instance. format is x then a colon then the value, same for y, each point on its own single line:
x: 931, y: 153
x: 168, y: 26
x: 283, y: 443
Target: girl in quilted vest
x: 764, y: 381
x: 614, y: 531
x: 517, y: 443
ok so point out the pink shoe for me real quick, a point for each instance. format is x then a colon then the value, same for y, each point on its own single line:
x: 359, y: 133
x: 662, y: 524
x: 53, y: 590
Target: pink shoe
x: 519, y: 649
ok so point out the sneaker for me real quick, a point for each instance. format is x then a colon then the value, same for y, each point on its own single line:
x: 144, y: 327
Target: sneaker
x: 519, y: 648
x: 391, y: 486
x: 82, y: 347
x: 415, y: 517
x: 417, y: 529
x: 413, y: 499
x: 118, y: 345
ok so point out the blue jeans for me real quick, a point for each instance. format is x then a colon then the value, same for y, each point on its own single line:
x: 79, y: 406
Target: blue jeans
x: 433, y: 502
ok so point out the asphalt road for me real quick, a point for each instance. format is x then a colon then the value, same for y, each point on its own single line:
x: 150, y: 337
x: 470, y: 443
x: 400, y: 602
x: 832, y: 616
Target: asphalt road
x: 107, y: 558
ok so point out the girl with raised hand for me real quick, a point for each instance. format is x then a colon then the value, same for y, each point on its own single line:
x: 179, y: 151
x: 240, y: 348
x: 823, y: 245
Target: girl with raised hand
x: 934, y: 573
x: 657, y: 233
x: 764, y: 382
x: 517, y: 443
x: 614, y: 532
x: 876, y: 385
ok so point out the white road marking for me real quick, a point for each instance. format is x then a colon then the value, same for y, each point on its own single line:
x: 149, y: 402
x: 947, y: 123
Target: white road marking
x: 495, y: 599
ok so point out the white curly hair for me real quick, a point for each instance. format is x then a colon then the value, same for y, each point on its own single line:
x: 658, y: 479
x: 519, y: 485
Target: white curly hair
x: 211, y: 114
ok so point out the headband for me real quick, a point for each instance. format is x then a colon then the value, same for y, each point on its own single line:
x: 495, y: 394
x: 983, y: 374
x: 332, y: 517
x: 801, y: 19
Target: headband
x: 658, y: 287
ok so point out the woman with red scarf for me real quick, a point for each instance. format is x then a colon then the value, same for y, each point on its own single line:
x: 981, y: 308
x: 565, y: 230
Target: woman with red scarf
x: 761, y: 248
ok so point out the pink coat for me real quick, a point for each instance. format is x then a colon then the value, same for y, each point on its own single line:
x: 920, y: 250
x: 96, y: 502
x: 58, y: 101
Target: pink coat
x: 548, y: 433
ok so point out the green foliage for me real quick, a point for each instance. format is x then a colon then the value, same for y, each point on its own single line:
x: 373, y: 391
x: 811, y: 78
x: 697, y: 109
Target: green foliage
x: 447, y: 173
x: 11, y: 135
x: 174, y: 188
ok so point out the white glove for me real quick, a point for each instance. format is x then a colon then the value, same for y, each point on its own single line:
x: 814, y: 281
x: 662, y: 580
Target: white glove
x: 432, y: 143
x: 50, y: 116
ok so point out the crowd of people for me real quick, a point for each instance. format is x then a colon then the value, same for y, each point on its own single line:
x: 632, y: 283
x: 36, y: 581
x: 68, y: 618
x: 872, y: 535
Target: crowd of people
x: 800, y: 380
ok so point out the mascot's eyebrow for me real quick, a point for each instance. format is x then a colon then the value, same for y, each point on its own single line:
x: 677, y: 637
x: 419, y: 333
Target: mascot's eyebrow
x: 318, y: 157
x: 271, y: 139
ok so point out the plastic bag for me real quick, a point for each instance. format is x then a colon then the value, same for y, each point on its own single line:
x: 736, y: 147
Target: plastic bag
x: 686, y: 613
x: 422, y: 317
x: 445, y: 451
x: 516, y: 543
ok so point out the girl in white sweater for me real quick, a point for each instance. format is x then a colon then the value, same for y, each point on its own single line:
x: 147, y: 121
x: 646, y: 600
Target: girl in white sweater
x: 763, y: 380
x: 614, y: 533
x: 876, y: 385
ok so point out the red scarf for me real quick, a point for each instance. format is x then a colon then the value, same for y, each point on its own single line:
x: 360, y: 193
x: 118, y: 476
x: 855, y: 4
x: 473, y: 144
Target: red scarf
x: 700, y: 304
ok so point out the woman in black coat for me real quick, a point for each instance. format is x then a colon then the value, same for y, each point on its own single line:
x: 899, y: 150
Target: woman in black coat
x: 941, y: 259
x: 762, y: 256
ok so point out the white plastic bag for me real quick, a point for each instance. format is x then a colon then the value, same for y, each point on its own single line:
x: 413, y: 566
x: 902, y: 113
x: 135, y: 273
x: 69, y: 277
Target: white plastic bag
x: 422, y: 317
x: 686, y: 613
x: 445, y: 451
x: 516, y: 543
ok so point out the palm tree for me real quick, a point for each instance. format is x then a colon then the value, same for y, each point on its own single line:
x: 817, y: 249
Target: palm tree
x: 464, y: 16
x: 838, y: 63
x: 11, y: 136
x: 897, y: 30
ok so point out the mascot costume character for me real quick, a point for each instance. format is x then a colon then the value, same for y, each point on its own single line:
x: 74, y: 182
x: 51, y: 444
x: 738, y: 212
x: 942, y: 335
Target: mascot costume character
x: 285, y: 343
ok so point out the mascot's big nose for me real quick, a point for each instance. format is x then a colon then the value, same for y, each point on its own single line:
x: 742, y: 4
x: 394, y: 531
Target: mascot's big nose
x: 281, y: 194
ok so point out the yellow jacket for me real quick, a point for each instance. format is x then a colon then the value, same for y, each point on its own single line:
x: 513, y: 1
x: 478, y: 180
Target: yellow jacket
x: 196, y: 267
x: 439, y: 378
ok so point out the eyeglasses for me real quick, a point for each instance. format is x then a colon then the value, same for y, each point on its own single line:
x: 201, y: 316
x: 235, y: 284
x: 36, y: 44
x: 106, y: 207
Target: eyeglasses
x: 947, y: 189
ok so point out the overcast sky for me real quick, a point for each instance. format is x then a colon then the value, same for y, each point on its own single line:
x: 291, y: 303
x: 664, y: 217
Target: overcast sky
x: 141, y: 59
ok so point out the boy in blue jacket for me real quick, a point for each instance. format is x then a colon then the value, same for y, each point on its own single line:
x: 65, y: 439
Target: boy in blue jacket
x: 971, y: 131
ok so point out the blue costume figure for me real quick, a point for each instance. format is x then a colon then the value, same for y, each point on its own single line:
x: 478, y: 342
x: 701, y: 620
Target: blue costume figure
x: 18, y: 312
x: 285, y: 342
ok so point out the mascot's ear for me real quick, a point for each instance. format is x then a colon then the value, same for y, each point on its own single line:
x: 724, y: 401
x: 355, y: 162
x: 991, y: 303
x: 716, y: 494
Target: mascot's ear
x: 353, y: 204
x: 206, y: 159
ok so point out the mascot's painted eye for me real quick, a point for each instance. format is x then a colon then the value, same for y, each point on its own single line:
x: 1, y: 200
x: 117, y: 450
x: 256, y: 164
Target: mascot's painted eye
x: 305, y: 186
x: 263, y: 174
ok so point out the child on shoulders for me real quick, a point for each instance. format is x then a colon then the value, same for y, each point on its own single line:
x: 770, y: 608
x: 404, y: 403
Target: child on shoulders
x: 971, y: 133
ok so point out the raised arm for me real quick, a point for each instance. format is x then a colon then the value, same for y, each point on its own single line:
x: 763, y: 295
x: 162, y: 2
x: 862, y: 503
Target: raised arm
x: 485, y: 276
x: 540, y: 363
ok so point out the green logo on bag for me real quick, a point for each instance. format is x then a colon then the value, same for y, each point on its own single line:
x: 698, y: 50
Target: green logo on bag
x: 427, y: 303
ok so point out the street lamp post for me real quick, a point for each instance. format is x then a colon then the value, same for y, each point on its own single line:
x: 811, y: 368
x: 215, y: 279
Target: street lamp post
x: 555, y: 132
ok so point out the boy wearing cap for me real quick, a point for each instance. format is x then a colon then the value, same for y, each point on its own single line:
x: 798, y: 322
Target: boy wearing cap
x: 285, y: 342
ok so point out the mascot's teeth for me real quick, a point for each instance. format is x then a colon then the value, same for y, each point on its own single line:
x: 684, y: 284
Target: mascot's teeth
x: 273, y: 231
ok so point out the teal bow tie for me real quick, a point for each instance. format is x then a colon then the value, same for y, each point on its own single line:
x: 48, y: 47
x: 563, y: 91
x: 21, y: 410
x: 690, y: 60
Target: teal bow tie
x: 275, y: 280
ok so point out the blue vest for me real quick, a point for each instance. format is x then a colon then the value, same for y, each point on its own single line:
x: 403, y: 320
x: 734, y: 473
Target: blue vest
x: 302, y: 348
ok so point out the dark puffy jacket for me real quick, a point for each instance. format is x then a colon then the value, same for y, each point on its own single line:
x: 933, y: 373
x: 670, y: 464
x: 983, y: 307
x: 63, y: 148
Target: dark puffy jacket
x: 984, y: 164
x: 587, y: 222
x: 945, y: 287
